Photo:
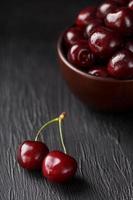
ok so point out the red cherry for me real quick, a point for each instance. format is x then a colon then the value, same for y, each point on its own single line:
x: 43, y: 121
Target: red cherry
x: 93, y: 24
x: 30, y: 154
x: 105, y: 8
x: 130, y: 5
x: 121, y: 20
x: 104, y: 42
x: 129, y: 45
x: 80, y: 55
x: 85, y: 15
x: 72, y: 35
x: 99, y: 72
x: 59, y: 167
x: 121, y: 65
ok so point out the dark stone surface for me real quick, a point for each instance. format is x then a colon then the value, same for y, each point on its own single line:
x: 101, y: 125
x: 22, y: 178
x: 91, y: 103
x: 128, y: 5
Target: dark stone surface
x: 32, y: 91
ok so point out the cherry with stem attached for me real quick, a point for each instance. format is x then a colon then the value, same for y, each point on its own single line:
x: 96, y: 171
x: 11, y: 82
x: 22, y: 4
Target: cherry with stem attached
x: 59, y: 166
x: 30, y: 154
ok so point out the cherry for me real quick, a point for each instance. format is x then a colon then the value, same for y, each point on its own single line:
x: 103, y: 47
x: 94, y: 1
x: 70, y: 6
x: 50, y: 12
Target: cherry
x: 130, y: 5
x: 104, y: 42
x: 58, y: 166
x: 85, y: 15
x: 121, y: 65
x: 72, y: 35
x: 129, y: 45
x: 121, y: 20
x: 31, y: 154
x: 99, y: 72
x: 93, y: 24
x: 80, y: 54
x: 105, y: 8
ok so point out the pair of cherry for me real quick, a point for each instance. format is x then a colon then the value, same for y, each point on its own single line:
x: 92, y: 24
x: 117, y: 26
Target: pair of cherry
x: 56, y: 166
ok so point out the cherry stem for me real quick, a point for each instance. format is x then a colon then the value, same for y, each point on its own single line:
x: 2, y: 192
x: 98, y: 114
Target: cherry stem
x: 59, y: 120
x: 44, y: 126
x: 61, y: 117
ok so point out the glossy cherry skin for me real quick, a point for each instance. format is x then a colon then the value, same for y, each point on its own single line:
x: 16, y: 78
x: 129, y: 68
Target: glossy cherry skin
x: 121, y: 21
x: 80, y: 55
x: 119, y: 2
x: 85, y: 15
x: 121, y: 65
x: 30, y: 154
x: 105, y: 8
x: 99, y: 72
x: 129, y: 45
x: 130, y: 5
x: 72, y: 35
x: 93, y: 24
x: 59, y: 167
x: 104, y: 42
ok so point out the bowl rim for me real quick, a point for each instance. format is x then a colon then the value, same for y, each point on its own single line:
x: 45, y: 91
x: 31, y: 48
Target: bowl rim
x: 63, y: 58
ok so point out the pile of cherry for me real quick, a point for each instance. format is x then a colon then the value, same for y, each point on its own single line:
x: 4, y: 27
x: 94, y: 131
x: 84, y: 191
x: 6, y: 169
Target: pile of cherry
x: 101, y: 40
x: 56, y: 166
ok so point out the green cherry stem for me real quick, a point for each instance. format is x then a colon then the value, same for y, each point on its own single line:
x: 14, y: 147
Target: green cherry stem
x: 61, y: 118
x: 55, y: 120
x: 44, y: 126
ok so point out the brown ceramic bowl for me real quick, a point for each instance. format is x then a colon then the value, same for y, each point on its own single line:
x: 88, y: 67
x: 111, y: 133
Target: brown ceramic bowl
x: 105, y: 94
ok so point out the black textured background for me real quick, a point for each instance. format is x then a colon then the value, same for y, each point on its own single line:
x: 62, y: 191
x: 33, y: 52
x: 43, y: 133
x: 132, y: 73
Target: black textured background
x: 32, y: 91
